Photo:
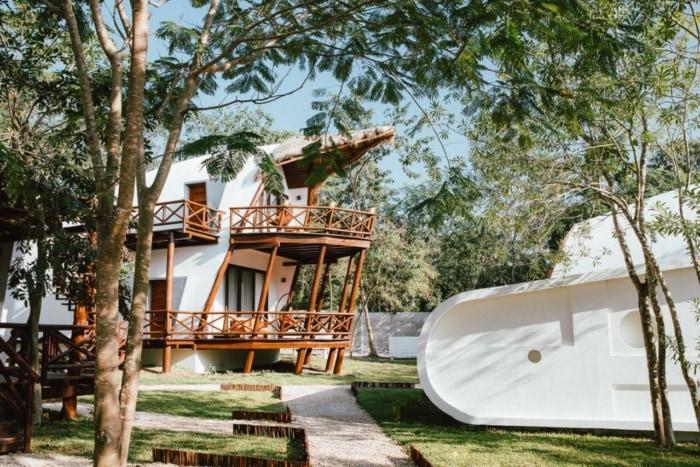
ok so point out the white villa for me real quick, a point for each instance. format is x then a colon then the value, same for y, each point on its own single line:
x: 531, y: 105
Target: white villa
x: 226, y: 260
x: 563, y: 352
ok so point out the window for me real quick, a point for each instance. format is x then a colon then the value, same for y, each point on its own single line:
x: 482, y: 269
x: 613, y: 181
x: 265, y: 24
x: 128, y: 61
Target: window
x: 243, y: 287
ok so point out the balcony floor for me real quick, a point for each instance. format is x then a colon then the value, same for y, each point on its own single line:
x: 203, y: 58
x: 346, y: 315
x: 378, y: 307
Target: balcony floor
x: 220, y: 343
x: 181, y: 238
x: 302, y: 248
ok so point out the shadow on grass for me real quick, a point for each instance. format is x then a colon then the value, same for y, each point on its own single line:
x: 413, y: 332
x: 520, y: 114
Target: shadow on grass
x: 409, y: 417
x: 200, y: 404
x: 282, y: 372
x: 75, y: 438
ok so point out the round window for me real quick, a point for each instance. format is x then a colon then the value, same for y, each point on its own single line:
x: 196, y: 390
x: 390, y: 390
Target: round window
x: 534, y: 356
x: 631, y: 330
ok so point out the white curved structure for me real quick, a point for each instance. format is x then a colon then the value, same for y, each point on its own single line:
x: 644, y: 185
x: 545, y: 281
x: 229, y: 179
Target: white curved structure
x: 563, y: 352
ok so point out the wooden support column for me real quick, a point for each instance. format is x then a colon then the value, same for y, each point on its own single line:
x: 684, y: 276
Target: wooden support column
x: 356, y: 281
x: 351, y: 306
x: 69, y: 392
x: 339, y: 361
x: 293, y: 287
x: 346, y: 286
x: 319, y: 304
x: 315, y: 285
x: 262, y: 305
x: 324, y: 284
x: 313, y: 300
x: 218, y: 280
x: 330, y: 363
x: 299, y: 366
x: 169, y: 271
x: 248, y: 364
x: 69, y: 396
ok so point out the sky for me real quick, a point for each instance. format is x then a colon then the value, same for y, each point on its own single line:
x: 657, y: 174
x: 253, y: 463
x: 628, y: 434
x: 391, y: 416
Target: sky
x: 291, y: 112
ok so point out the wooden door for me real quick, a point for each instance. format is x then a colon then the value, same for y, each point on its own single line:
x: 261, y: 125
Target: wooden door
x: 198, y: 193
x: 197, y: 215
x: 158, y: 302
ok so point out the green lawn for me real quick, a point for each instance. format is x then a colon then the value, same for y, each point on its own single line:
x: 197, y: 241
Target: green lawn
x: 408, y: 416
x: 204, y: 404
x: 76, y: 438
x: 207, y: 404
x: 354, y: 369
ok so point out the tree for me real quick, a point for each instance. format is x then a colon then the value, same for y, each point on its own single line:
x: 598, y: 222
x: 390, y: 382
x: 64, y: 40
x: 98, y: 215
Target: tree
x: 40, y: 169
x: 592, y: 137
x: 381, y: 51
x: 393, y: 48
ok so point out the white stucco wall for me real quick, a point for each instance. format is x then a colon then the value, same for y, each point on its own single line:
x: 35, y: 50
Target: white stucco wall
x: 195, y: 266
x: 563, y: 352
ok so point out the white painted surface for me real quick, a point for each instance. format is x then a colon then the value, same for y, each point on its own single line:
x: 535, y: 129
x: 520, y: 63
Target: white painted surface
x: 403, y: 346
x: 563, y: 352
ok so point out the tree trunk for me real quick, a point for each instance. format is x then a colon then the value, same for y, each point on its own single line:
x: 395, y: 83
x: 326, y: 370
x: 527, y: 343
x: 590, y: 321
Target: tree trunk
x: 659, y: 401
x: 36, y: 297
x: 370, y: 334
x: 107, y: 375
x: 134, y: 345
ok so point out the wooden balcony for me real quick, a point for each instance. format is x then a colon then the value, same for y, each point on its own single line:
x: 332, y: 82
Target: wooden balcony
x: 190, y: 223
x: 247, y: 329
x: 300, y: 231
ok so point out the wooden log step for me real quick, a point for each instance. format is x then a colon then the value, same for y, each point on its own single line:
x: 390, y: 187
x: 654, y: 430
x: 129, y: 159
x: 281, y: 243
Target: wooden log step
x: 280, y: 417
x: 11, y: 443
x: 275, y: 389
x: 270, y: 431
x: 183, y: 457
x: 9, y: 427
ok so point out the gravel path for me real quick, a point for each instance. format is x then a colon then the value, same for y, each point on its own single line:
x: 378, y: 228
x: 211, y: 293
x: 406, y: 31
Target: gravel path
x: 339, y: 432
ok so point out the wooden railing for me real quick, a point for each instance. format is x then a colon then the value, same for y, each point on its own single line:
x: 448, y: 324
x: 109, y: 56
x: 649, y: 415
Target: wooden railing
x: 192, y: 217
x: 327, y: 220
x: 16, y: 393
x: 67, y: 352
x: 194, y: 325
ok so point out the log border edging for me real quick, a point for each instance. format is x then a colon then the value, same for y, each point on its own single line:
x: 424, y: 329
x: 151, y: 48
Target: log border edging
x: 187, y: 457
x: 280, y: 417
x: 355, y: 385
x: 253, y: 387
x: 418, y: 458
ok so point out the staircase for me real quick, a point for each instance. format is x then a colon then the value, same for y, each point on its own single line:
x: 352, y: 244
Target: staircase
x: 16, y: 396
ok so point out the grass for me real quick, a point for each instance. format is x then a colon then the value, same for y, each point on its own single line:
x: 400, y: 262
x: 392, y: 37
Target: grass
x: 204, y: 404
x: 207, y: 404
x: 76, y: 439
x: 354, y: 369
x: 410, y: 418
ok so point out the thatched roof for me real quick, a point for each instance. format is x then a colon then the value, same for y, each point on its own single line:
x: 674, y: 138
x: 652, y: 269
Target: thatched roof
x: 355, y: 144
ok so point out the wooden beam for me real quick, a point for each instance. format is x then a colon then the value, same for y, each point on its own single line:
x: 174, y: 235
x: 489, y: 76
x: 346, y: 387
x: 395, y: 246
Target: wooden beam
x: 299, y: 366
x: 262, y: 302
x: 330, y: 363
x: 218, y: 279
x: 324, y: 284
x: 313, y: 297
x: 169, y: 271
x: 293, y: 286
x: 356, y: 281
x: 248, y: 365
x: 346, y: 286
x: 338, y: 368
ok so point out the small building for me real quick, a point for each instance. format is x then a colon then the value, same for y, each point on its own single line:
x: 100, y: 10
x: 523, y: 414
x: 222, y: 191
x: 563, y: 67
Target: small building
x: 566, y: 352
x: 226, y: 262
